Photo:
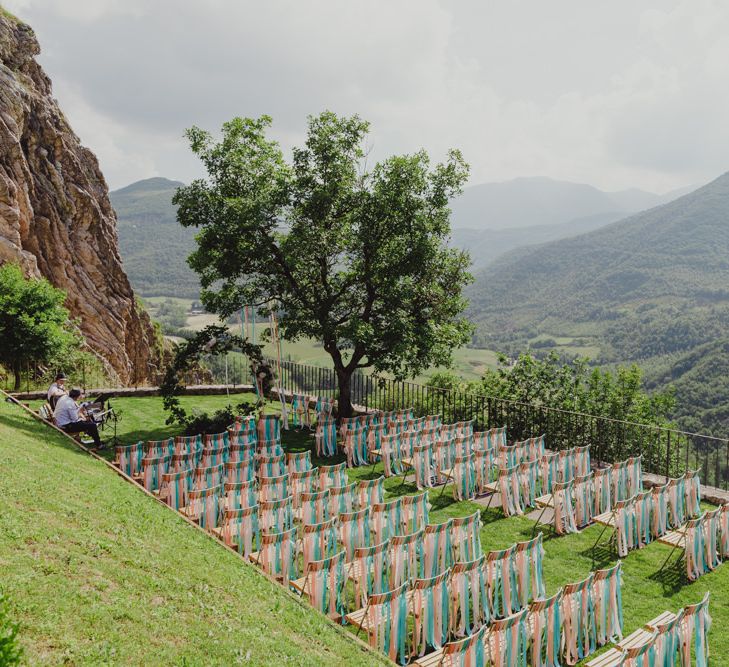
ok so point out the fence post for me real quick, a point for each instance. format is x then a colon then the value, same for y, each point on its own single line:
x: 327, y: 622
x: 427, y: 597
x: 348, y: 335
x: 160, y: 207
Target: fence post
x: 668, y: 456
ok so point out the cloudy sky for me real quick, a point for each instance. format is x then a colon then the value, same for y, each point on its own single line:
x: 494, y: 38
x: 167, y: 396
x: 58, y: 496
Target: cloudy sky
x: 617, y: 94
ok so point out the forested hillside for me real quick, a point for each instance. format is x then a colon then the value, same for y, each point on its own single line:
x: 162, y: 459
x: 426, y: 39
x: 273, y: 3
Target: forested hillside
x: 153, y: 246
x: 653, y: 288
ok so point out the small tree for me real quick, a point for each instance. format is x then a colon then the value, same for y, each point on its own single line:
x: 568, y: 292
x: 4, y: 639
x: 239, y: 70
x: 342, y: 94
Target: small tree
x: 354, y: 258
x: 34, y: 325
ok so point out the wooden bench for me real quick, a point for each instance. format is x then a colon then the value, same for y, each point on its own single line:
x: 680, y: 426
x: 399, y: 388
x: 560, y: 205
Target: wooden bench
x: 605, y: 519
x: 641, y: 636
x: 433, y: 659
x: 545, y: 501
x: 674, y: 538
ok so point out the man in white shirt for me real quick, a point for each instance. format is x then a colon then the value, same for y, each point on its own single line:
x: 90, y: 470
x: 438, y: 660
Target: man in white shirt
x: 56, y: 390
x: 68, y: 417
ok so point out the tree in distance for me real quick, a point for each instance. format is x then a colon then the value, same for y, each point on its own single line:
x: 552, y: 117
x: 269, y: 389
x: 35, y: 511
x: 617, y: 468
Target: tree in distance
x: 352, y: 256
x: 34, y: 325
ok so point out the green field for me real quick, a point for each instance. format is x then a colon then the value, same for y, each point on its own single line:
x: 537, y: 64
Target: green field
x: 646, y: 591
x: 98, y: 573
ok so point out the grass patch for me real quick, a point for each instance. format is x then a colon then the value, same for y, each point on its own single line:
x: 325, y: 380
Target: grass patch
x: 97, y: 573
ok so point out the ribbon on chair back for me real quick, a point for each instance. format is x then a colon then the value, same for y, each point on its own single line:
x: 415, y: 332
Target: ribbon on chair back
x: 315, y: 506
x: 408, y: 441
x: 564, y: 508
x: 406, y: 558
x: 668, y: 640
x: 375, y: 433
x: 324, y: 407
x: 335, y: 475
x: 578, y: 620
x: 430, y: 611
x: 391, y: 454
x: 507, y: 641
x: 429, y: 435
x: 298, y: 461
x: 369, y: 571
x: 566, y: 465
x: 626, y: 533
x: 444, y: 453
x: 724, y: 530
x: 271, y: 465
x: 497, y: 437
x: 341, y: 499
x: 501, y: 586
x: 676, y: 500
x: 276, y: 516
x: 269, y: 428
x: 354, y: 531
x: 466, y: 537
x: 414, y: 512
x: 692, y: 492
x: 584, y: 499
x: 355, y: 445
x: 277, y: 556
x: 240, y: 494
x: 643, y: 655
x: 370, y: 491
x: 643, y: 517
x: 386, y: 519
x: 128, y: 458
x: 300, y: 410
x: 306, y: 481
x: 508, y: 456
x: 153, y: 467
x: 319, y: 541
x: 210, y: 476
x: 183, y: 444
x: 485, y: 462
x: 659, y: 511
x: 696, y: 625
x: 619, y: 479
x: 324, y: 585
x: 205, y: 506
x: 582, y: 461
x: 529, y: 487
x: 510, y: 492
x: 326, y: 437
x: 468, y: 652
x: 271, y: 449
x: 386, y: 622
x: 545, y: 623
x: 607, y: 595
x: 246, y: 437
x: 273, y: 488
x: 174, y: 486
x: 548, y: 471
x: 213, y: 456
x: 528, y: 558
x: 241, y: 529
x: 464, y: 477
x: 469, y: 597
x: 240, y: 451
x: 635, y: 475
x: 423, y: 465
x: 216, y: 440
x: 180, y: 462
x: 463, y: 445
x: 695, y: 550
x: 437, y: 550
x: 710, y: 527
x: 240, y: 471
x: 536, y: 448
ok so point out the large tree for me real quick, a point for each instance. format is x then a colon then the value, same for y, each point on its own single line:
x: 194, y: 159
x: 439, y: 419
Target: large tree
x: 34, y: 325
x: 350, y: 255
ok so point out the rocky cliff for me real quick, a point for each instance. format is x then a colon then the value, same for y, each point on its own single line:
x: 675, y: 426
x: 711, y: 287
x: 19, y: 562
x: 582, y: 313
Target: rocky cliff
x: 55, y: 216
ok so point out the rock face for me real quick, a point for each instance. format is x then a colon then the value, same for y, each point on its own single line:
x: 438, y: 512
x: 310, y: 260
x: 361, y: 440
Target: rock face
x: 55, y: 216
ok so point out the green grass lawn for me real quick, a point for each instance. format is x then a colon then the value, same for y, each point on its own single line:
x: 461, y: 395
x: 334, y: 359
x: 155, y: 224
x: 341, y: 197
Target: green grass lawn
x: 98, y: 573
x: 646, y: 592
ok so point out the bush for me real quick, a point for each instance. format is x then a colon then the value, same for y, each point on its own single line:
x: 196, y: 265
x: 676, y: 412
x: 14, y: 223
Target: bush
x: 219, y: 420
x: 10, y: 650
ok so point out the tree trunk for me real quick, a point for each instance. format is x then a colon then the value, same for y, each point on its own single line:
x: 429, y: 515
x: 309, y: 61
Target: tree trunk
x: 17, y: 372
x: 344, y: 379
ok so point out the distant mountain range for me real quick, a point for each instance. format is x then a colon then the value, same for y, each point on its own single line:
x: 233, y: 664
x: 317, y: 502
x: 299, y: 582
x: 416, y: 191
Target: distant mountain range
x: 153, y: 245
x: 653, y: 288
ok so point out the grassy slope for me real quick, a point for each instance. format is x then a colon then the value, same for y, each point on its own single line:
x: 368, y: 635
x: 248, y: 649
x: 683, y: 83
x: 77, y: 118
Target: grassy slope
x: 645, y: 592
x: 99, y: 573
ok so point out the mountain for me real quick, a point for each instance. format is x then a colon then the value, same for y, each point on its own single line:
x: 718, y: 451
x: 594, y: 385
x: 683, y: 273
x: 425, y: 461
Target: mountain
x: 652, y: 288
x: 153, y: 245
x: 528, y: 202
x: 485, y: 245
x: 55, y: 217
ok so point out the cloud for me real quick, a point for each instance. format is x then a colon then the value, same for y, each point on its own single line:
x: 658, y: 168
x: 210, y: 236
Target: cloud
x: 618, y: 94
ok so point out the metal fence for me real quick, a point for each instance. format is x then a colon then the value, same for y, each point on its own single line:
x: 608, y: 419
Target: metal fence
x: 665, y: 451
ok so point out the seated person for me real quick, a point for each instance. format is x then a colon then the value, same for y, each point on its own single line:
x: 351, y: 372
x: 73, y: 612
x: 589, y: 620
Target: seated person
x: 56, y: 390
x: 68, y: 417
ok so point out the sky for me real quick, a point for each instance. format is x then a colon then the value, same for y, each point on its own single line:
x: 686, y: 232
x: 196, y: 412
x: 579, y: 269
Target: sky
x: 617, y: 94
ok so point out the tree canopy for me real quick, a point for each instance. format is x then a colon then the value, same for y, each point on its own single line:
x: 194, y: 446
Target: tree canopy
x: 354, y: 256
x: 34, y: 324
